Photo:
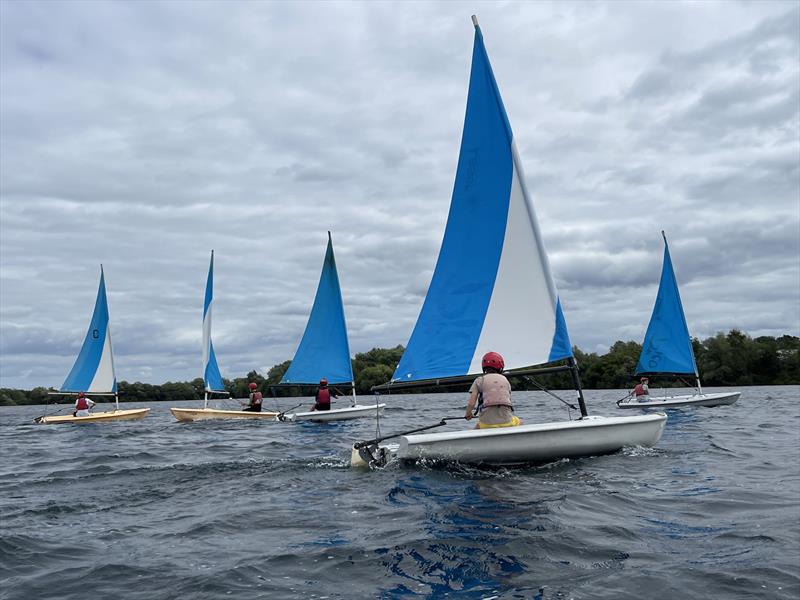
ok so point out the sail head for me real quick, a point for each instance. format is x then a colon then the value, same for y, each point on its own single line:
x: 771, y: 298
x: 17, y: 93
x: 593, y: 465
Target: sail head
x: 667, y: 347
x: 492, y: 289
x: 324, y: 350
x: 93, y: 370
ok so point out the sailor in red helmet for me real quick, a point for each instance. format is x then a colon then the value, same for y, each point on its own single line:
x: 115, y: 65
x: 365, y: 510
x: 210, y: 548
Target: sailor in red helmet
x: 491, y: 393
x: 83, y: 406
x: 255, y: 398
x: 641, y: 391
x: 322, y: 400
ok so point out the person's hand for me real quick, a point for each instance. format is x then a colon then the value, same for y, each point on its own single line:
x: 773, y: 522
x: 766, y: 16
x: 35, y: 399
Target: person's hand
x: 468, y: 415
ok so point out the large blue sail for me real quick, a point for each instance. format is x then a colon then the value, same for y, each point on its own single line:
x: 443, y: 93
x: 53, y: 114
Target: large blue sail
x: 93, y: 370
x: 492, y: 289
x: 211, y: 374
x: 667, y: 347
x: 324, y: 352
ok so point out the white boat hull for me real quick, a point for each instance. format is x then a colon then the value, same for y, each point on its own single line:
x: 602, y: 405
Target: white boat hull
x: 717, y: 399
x: 98, y: 417
x: 210, y: 414
x: 536, y: 443
x: 337, y: 414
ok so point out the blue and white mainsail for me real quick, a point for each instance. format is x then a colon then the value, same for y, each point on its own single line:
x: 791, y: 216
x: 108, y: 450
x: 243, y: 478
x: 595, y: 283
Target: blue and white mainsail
x: 324, y: 351
x: 93, y: 370
x: 667, y: 347
x: 492, y: 289
x: 211, y: 374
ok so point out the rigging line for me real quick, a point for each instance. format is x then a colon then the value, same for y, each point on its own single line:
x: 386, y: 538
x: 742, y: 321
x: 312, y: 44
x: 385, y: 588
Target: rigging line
x: 546, y: 391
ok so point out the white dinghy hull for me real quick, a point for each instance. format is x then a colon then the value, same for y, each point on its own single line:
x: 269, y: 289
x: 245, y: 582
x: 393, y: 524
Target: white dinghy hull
x: 337, y: 414
x: 536, y: 443
x: 718, y: 399
x: 98, y: 417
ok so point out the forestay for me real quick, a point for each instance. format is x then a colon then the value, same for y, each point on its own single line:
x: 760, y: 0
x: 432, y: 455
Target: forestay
x: 324, y: 350
x: 93, y: 370
x: 211, y: 374
x: 667, y: 347
x: 492, y: 289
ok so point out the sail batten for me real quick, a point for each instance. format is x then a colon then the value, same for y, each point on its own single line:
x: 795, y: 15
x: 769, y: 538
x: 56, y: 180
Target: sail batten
x: 211, y: 376
x: 667, y: 346
x: 492, y: 289
x: 93, y: 370
x: 324, y: 350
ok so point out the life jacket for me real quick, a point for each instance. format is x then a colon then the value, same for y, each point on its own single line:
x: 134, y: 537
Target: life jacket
x: 255, y: 398
x: 323, y: 396
x: 640, y: 390
x: 81, y: 404
x: 493, y: 390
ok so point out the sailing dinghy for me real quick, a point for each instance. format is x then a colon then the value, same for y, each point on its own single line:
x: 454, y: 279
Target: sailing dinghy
x: 93, y: 371
x: 324, y: 350
x: 667, y: 348
x: 212, y: 379
x: 492, y: 290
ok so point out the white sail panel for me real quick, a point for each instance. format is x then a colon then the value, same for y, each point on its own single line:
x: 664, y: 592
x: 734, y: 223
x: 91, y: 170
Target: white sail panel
x: 105, y: 379
x: 521, y: 321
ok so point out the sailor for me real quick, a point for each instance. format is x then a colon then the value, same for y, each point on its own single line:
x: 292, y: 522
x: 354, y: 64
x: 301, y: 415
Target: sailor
x: 641, y: 391
x: 490, y: 396
x: 322, y: 400
x: 255, y: 399
x: 83, y: 406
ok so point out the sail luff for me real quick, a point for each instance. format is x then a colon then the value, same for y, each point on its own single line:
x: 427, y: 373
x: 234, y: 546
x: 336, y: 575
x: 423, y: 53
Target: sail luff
x: 324, y: 350
x: 667, y: 346
x: 492, y: 289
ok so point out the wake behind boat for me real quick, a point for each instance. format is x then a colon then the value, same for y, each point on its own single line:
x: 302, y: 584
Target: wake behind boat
x: 93, y: 372
x: 323, y: 356
x: 492, y: 289
x: 667, y: 350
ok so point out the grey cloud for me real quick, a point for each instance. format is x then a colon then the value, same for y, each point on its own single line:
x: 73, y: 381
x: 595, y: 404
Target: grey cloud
x: 142, y: 135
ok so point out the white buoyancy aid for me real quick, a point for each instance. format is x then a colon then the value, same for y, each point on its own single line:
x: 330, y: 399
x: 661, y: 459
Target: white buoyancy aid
x: 493, y: 390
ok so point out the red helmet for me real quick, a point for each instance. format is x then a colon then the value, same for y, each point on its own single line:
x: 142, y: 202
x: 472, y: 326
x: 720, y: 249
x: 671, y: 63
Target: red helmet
x: 323, y: 381
x: 81, y: 395
x: 643, y: 379
x: 253, y: 386
x: 494, y: 360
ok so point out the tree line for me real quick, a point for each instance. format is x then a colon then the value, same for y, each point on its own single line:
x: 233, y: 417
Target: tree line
x: 732, y: 359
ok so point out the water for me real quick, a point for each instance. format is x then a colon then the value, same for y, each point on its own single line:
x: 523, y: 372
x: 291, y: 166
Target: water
x: 155, y: 509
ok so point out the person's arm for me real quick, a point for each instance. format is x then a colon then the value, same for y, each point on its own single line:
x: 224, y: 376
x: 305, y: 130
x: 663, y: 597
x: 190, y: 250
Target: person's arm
x: 473, y: 398
x: 90, y: 402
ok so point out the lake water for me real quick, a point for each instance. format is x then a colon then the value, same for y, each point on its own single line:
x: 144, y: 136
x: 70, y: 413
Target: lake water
x: 156, y: 509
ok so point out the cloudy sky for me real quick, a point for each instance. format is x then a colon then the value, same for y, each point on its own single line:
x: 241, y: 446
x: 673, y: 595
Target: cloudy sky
x: 144, y: 134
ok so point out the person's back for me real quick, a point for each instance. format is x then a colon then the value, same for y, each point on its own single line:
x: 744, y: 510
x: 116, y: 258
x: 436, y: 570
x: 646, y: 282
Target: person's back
x: 83, y: 406
x: 641, y: 391
x: 322, y: 399
x: 255, y: 398
x: 491, y: 392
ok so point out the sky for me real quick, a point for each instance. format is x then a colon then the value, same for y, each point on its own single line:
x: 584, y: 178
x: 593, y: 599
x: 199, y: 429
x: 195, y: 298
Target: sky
x: 142, y: 135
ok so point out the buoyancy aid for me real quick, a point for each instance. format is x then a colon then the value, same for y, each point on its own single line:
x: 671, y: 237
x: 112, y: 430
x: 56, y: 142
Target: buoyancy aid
x: 81, y: 404
x: 323, y: 396
x: 493, y: 390
x: 640, y: 390
x: 255, y: 399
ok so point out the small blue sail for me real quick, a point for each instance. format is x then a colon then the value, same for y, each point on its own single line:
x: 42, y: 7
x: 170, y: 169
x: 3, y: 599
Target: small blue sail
x: 93, y: 370
x: 324, y: 352
x: 492, y: 289
x: 667, y: 347
x: 211, y: 374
